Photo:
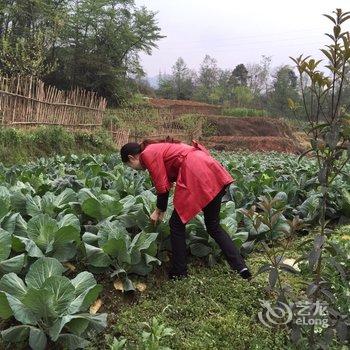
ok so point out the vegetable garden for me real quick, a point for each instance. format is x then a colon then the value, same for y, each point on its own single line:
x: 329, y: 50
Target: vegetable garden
x: 76, y: 235
x: 89, y: 216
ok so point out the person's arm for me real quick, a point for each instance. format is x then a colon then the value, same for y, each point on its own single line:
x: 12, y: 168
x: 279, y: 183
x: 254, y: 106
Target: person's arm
x: 162, y: 201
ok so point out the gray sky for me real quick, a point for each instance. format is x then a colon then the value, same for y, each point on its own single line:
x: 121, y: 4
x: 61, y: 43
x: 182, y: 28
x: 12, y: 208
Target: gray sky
x: 236, y: 32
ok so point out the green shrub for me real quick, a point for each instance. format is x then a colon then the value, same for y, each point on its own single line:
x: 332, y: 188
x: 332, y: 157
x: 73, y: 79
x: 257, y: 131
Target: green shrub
x: 22, y: 145
x: 53, y: 140
x: 244, y: 112
x: 9, y: 137
x: 189, y: 121
x: 209, y: 128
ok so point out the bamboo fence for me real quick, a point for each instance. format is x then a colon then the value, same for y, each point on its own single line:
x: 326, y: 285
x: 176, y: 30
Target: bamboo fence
x: 27, y: 101
x: 148, y: 123
x: 162, y: 133
x: 120, y: 136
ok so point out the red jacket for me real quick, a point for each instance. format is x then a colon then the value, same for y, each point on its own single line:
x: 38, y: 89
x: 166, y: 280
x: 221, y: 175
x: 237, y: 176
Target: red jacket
x: 199, y: 177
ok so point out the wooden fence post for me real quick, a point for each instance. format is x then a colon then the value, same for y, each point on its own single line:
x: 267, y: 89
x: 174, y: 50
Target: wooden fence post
x: 26, y: 101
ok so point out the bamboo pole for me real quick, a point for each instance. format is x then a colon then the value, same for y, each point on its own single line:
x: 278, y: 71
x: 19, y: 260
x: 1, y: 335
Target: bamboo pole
x: 28, y: 101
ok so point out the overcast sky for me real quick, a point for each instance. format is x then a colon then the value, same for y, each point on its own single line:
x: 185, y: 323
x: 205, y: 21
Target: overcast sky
x: 236, y: 32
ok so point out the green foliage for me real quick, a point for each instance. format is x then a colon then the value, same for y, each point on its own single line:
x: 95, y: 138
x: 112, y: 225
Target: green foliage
x: 156, y: 332
x: 180, y: 84
x: 46, y: 236
x: 117, y: 344
x: 209, y: 128
x: 7, y: 263
x: 151, y: 340
x: 244, y: 112
x: 47, y: 303
x: 211, y: 309
x: 29, y: 31
x: 189, y: 121
x: 116, y: 247
x: 25, y: 57
x: 94, y: 210
x: 239, y: 76
x: 328, y: 127
x: 242, y: 96
x: 91, y: 44
x: 18, y: 146
x: 275, y: 233
x: 284, y: 88
x: 129, y: 117
x: 207, y: 79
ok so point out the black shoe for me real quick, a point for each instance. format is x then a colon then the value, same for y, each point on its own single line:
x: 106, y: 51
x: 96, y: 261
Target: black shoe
x: 173, y: 276
x: 246, y: 274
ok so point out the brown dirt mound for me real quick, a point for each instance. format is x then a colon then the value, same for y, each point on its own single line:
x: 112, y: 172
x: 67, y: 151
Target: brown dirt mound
x: 179, y: 107
x: 253, y: 143
x: 252, y: 133
x: 250, y: 126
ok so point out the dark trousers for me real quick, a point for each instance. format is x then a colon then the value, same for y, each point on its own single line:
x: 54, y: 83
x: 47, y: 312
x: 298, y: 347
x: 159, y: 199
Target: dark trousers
x: 212, y: 223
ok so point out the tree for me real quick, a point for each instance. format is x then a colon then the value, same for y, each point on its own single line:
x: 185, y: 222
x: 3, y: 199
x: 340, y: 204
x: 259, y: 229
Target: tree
x: 94, y: 44
x: 223, y: 91
x: 166, y: 86
x: 208, y: 79
x: 258, y: 76
x: 183, y: 80
x: 180, y: 84
x: 25, y: 57
x: 284, y: 88
x: 328, y: 128
x: 239, y: 76
x: 102, y: 43
x: 242, y: 96
x: 29, y: 29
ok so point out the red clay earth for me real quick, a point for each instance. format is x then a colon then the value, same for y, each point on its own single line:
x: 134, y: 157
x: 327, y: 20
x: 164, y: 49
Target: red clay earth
x: 252, y: 133
x: 250, y: 126
x: 253, y: 144
x: 237, y: 133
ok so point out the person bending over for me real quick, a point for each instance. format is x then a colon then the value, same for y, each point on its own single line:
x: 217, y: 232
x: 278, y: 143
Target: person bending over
x: 201, y: 182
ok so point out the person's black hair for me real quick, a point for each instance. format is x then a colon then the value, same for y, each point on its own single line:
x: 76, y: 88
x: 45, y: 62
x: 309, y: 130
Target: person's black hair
x: 134, y: 148
x: 131, y: 148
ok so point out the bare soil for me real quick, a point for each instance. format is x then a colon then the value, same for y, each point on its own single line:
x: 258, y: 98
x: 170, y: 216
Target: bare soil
x: 178, y: 107
x: 253, y: 143
x: 250, y: 126
x: 261, y: 134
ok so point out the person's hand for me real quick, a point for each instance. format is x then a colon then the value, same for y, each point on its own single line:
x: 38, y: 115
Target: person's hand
x: 161, y: 215
x: 157, y: 215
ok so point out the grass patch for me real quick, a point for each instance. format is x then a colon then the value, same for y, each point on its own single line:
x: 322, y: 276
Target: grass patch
x: 244, y: 112
x: 20, y: 146
x: 211, y: 309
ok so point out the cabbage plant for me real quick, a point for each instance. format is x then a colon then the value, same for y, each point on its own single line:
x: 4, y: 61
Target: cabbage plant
x: 49, y: 306
x: 7, y: 263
